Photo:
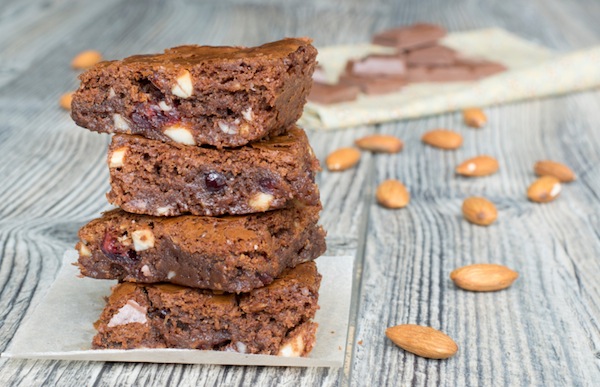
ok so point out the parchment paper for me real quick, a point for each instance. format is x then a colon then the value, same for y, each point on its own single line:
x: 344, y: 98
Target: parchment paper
x: 533, y: 72
x: 61, y: 326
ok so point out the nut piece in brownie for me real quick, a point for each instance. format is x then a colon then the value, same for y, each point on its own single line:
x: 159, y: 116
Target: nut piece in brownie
x: 195, y: 95
x: 154, y: 178
x: 274, y: 320
x: 232, y: 253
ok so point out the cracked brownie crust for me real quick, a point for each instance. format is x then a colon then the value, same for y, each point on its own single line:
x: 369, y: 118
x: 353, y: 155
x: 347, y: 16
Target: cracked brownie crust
x: 275, y: 319
x: 232, y: 254
x: 195, y: 95
x: 154, y: 178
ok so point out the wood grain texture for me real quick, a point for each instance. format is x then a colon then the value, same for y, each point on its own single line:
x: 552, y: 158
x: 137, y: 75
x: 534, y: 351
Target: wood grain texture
x: 544, y: 330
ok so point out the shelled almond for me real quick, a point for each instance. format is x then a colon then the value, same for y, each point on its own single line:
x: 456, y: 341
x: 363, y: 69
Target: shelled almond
x: 86, y: 59
x: 478, y: 166
x: 380, y: 143
x: 474, y: 117
x: 483, y: 277
x: 422, y: 341
x: 479, y: 211
x: 443, y: 139
x: 342, y: 159
x: 65, y: 100
x: 553, y: 168
x: 392, y: 194
x: 544, y: 190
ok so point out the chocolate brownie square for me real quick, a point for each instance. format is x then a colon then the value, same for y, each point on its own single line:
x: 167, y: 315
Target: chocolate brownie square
x: 195, y: 95
x: 232, y: 253
x: 275, y: 319
x: 154, y: 178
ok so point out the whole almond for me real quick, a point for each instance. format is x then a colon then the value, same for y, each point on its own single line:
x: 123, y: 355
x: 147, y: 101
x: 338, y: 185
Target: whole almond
x: 442, y: 138
x: 380, y: 143
x: 544, y: 190
x: 553, y: 168
x: 422, y: 341
x: 478, y: 166
x: 86, y: 59
x: 483, y: 277
x: 392, y: 194
x: 479, y: 211
x: 65, y: 100
x: 474, y: 117
x: 342, y: 159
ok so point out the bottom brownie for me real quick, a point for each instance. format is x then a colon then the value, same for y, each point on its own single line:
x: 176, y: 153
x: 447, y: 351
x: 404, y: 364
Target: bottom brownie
x: 275, y: 319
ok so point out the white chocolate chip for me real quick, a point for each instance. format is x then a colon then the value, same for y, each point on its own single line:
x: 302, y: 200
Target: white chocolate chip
x: 161, y: 211
x: 142, y: 240
x: 131, y: 312
x: 293, y: 348
x: 229, y: 128
x: 164, y: 107
x: 180, y: 134
x: 247, y: 114
x: 84, y: 251
x: 120, y: 122
x: 261, y: 201
x: 146, y: 271
x: 111, y: 93
x: 117, y: 158
x: 171, y: 275
x: 241, y: 347
x: 183, y: 86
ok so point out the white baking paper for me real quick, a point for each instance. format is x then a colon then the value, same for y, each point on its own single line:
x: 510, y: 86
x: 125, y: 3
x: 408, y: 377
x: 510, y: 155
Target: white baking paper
x: 61, y: 326
x: 533, y: 72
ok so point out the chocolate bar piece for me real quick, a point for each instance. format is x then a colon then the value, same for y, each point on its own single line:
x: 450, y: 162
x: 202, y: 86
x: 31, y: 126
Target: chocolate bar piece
x: 328, y: 94
x: 409, y: 37
x: 373, y: 85
x: 377, y: 65
x: 431, y: 56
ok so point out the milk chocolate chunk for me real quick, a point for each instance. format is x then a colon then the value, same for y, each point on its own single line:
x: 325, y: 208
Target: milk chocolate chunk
x: 377, y: 65
x: 453, y: 73
x: 273, y: 320
x: 410, y: 37
x: 199, y: 95
x: 328, y: 94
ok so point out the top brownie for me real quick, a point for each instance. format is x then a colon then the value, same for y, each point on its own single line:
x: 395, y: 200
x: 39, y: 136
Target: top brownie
x: 199, y: 95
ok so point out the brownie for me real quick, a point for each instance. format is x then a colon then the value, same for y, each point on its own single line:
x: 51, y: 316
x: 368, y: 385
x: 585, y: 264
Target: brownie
x: 194, y: 95
x: 275, y: 319
x: 232, y: 253
x: 154, y: 178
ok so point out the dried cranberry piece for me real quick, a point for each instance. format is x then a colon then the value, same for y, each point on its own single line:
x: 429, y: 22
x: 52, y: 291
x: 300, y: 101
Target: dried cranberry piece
x: 214, y: 181
x: 150, y: 115
x: 115, y: 251
x: 267, y: 184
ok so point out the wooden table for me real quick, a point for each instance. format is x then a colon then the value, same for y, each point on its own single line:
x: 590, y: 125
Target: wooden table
x: 544, y: 331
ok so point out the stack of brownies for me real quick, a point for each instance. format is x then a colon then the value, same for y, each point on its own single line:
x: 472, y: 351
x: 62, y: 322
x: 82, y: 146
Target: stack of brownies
x: 214, y: 241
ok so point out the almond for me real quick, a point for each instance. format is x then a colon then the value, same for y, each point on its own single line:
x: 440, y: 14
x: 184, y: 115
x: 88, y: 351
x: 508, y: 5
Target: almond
x: 479, y: 211
x: 544, y: 190
x: 478, y: 166
x: 483, y: 277
x: 392, y: 194
x: 442, y: 138
x: 86, y: 59
x: 474, y: 117
x: 553, y: 168
x: 65, y: 100
x: 380, y: 143
x: 342, y: 159
x: 422, y: 341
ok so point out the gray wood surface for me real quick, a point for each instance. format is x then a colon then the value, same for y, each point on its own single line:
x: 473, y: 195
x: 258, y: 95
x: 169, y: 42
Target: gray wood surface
x: 544, y: 331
